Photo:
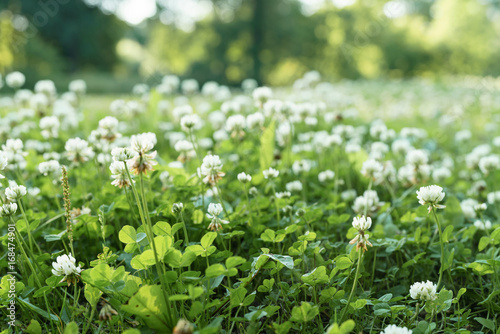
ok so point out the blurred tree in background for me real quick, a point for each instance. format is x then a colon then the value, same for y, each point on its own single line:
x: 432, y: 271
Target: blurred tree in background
x: 273, y: 41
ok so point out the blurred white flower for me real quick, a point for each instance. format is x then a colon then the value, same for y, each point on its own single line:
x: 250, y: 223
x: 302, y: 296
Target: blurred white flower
x: 78, y: 150
x: 15, y: 80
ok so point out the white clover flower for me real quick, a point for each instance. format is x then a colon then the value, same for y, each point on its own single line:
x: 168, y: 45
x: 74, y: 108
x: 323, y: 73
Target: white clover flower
x: 255, y: 120
x: 372, y: 169
x: 480, y: 207
x: 348, y: 195
x: 361, y: 239
x: 493, y: 197
x: 15, y: 192
x: 440, y: 174
x: 261, y: 95
x: 8, y: 209
x: 15, y: 80
x: 143, y: 143
x: 211, y: 169
x: 425, y: 291
x: 189, y: 122
x: 50, y: 167
x: 190, y: 86
x: 244, y: 178
x: 301, y: 166
x: 177, y: 207
x: 108, y: 128
x: 183, y: 146
x: 78, y: 150
x: 393, y: 329
x: 283, y: 194
x: 46, y: 87
x: 489, y: 163
x: 65, y: 265
x: 50, y: 127
x: 369, y: 202
x: 294, y: 186
x: 417, y: 158
x: 362, y: 223
x: 326, y: 175
x: 122, y: 154
x: 3, y: 162
x: 270, y: 173
x: 13, y: 149
x: 214, y: 211
x: 249, y: 84
x: 431, y: 195
x: 143, y: 161
x: 78, y: 87
x: 235, y: 125
x: 119, y: 174
x: 480, y: 225
x: 468, y: 207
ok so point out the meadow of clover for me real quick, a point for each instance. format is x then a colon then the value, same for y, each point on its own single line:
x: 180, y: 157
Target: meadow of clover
x: 348, y: 207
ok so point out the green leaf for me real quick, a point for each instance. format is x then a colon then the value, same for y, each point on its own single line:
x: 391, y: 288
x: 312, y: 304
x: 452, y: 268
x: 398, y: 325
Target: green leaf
x: 266, y: 155
x: 237, y: 296
x: 215, y: 270
x: 304, y: 313
x: 149, y: 304
x: 127, y: 234
x: 284, y: 328
x: 317, y: 276
x: 345, y: 328
x: 92, y: 294
x: 71, y: 328
x: 483, y: 242
x: 447, y: 233
x: 459, y: 294
x: 234, y: 261
x: 198, y: 217
x: 34, y: 327
x: 343, y: 263
x: 268, y: 235
x: 285, y: 260
x: 38, y: 310
x: 162, y: 228
x: 132, y: 331
x: 208, y: 239
x: 490, y: 324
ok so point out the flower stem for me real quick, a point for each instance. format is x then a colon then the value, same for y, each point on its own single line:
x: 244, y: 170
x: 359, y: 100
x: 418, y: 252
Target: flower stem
x: 442, y: 246
x: 360, y: 258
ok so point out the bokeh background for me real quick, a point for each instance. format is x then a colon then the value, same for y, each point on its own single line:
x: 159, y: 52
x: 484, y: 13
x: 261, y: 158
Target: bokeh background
x: 114, y: 44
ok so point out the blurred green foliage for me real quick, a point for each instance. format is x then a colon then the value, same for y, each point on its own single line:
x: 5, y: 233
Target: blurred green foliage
x: 273, y: 41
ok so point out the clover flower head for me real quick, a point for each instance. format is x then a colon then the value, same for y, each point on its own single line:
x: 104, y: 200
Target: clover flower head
x: 211, y: 169
x: 214, y: 211
x: 119, y: 174
x: 393, y: 329
x: 122, y: 154
x: 361, y: 239
x: 65, y: 265
x: 15, y: 192
x: 177, y: 207
x: 431, y: 196
x: 8, y: 209
x: 270, y: 173
x: 244, y: 178
x: 425, y: 291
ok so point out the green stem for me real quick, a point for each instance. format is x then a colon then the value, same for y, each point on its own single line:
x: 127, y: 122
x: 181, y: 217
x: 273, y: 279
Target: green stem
x: 360, y: 258
x: 442, y: 246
